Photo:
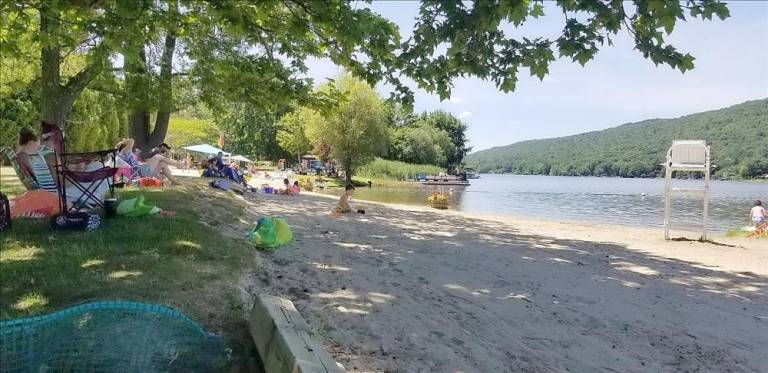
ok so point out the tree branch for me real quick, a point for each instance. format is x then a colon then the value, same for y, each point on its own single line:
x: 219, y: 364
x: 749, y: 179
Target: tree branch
x: 77, y: 83
x: 106, y: 90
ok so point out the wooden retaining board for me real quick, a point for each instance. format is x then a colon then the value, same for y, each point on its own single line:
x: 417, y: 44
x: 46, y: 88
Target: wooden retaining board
x: 282, y: 339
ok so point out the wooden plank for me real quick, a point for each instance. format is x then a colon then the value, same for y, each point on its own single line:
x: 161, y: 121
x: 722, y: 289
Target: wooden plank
x: 282, y: 339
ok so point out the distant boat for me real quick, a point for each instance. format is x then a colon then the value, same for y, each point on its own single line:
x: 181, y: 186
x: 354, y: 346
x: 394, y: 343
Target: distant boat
x: 471, y: 174
x: 442, y: 180
x: 445, y: 182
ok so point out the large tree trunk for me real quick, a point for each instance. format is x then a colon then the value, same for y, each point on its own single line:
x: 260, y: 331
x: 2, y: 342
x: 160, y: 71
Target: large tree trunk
x: 348, y: 171
x: 56, y: 100
x: 146, y: 136
x: 50, y: 62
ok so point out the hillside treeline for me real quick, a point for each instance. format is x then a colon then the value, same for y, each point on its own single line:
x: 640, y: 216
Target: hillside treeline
x: 738, y: 136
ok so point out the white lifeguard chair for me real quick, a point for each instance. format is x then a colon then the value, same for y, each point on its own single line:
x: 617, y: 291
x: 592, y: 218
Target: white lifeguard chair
x: 691, y: 156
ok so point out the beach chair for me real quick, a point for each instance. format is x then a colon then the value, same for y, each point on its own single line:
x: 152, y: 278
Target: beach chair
x: 687, y: 156
x: 24, y: 175
x: 87, y: 172
x: 137, y: 170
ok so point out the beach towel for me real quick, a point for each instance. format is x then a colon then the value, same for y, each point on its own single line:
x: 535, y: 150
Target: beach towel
x: 150, y: 182
x: 270, y: 232
x: 34, y: 204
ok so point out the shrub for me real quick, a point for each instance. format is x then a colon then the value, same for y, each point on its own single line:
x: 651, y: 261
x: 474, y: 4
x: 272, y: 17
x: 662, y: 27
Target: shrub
x: 384, y: 169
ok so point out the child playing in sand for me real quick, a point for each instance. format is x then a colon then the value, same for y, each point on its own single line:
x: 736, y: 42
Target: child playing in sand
x: 757, y: 214
x: 343, y: 206
x: 286, y: 187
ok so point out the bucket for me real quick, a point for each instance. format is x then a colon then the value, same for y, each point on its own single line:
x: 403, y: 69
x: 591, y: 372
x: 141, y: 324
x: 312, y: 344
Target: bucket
x: 110, y: 206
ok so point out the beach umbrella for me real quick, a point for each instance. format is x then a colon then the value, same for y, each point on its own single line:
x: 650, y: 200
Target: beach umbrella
x: 204, y: 148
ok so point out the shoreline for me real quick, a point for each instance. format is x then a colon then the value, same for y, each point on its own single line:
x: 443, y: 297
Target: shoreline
x: 409, y: 288
x: 629, y: 235
x: 759, y: 180
x: 642, y: 217
x: 635, y: 238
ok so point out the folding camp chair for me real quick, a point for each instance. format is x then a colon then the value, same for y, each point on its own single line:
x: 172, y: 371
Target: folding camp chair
x: 137, y: 170
x: 86, y: 172
x: 76, y: 170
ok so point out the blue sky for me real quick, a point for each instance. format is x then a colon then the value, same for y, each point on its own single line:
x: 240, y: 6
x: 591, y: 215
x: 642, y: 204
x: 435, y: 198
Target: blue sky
x: 618, y: 86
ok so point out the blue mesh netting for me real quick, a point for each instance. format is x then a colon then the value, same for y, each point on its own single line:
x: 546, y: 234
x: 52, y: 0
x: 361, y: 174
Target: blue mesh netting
x: 108, y: 337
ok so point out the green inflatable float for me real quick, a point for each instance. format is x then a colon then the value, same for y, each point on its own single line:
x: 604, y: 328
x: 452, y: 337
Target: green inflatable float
x: 135, y: 208
x: 269, y: 233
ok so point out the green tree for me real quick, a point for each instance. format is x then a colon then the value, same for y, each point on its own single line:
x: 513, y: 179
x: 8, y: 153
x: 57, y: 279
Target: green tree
x: 61, y: 29
x: 453, y: 39
x: 191, y: 131
x: 456, y: 130
x: 97, y: 121
x: 255, y: 51
x: 355, y: 130
x: 245, y: 52
x: 252, y: 131
x: 422, y: 144
x: 292, y: 130
x: 17, y: 110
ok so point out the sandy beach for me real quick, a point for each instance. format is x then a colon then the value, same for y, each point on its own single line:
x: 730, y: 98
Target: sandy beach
x: 410, y: 289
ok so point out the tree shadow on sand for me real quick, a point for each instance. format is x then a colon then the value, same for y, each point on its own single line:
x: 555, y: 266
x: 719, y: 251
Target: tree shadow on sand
x: 482, y: 296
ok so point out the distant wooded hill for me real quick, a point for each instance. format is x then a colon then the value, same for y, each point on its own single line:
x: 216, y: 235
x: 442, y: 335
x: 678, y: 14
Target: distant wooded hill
x: 738, y: 136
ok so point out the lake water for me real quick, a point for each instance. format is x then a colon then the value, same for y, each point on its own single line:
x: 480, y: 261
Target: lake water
x: 635, y: 202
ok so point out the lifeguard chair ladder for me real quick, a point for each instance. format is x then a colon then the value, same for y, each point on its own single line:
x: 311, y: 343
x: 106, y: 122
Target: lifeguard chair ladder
x: 692, y: 156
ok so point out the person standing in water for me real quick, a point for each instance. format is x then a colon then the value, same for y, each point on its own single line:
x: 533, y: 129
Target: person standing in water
x: 757, y: 214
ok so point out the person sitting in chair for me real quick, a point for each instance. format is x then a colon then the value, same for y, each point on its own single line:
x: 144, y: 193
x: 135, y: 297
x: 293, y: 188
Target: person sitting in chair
x: 218, y: 162
x: 41, y: 162
x: 156, y: 165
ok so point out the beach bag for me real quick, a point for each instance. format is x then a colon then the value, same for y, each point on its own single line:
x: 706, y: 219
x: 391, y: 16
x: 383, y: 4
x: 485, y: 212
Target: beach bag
x: 34, y: 204
x: 220, y: 184
x: 150, y: 182
x: 77, y: 221
x: 135, y: 207
x: 270, y: 232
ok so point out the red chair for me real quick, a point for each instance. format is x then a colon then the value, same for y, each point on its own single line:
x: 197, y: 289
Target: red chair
x: 77, y: 170
x: 72, y: 172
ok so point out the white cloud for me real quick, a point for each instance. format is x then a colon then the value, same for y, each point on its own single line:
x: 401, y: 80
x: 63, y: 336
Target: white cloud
x: 455, y: 100
x: 465, y: 114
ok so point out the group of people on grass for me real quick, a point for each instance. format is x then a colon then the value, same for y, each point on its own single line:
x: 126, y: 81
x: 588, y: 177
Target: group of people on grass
x: 217, y: 167
x: 38, y: 156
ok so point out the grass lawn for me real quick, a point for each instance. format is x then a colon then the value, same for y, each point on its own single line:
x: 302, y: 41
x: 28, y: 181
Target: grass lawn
x: 740, y: 233
x: 181, y: 261
x: 9, y: 183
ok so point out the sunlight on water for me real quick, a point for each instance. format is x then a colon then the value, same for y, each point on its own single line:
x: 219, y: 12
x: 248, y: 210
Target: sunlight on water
x: 637, y: 202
